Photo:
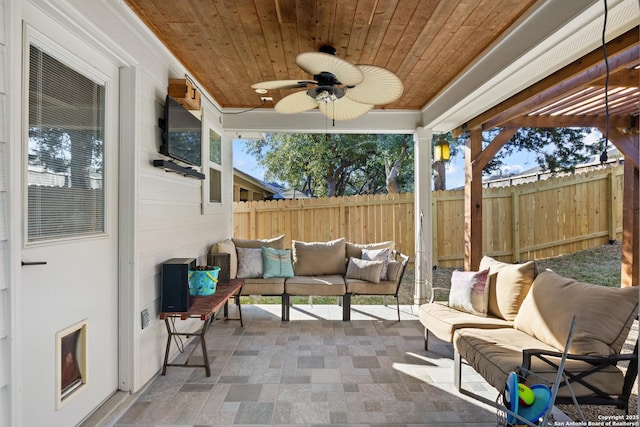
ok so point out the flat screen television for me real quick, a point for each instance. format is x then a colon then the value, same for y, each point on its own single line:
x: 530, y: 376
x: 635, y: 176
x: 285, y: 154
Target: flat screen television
x: 182, y: 134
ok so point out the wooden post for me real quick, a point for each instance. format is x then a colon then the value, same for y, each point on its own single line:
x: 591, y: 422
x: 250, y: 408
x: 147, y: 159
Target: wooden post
x: 613, y: 202
x: 515, y: 203
x: 630, y: 274
x: 473, y: 202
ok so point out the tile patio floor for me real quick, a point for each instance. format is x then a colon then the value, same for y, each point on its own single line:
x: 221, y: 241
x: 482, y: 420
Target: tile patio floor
x: 315, y: 370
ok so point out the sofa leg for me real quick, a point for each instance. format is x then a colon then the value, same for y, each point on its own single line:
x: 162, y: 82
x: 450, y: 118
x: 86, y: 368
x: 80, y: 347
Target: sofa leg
x: 346, y: 308
x: 457, y: 370
x: 285, y: 307
x: 426, y: 339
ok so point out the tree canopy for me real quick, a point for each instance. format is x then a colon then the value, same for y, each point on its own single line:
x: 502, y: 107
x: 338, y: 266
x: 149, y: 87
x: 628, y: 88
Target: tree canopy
x: 337, y: 164
x: 350, y: 164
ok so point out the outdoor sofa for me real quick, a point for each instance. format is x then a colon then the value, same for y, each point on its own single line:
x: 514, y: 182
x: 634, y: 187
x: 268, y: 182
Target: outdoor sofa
x: 334, y: 268
x: 525, y: 325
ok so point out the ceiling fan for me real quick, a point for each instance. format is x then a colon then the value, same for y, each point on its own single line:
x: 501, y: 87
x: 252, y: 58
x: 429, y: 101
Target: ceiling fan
x: 341, y: 90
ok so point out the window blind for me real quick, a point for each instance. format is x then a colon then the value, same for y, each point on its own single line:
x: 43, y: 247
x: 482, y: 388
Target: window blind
x: 65, y: 162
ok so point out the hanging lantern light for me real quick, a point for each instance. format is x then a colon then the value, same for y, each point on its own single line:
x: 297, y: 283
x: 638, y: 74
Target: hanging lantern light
x: 441, y: 150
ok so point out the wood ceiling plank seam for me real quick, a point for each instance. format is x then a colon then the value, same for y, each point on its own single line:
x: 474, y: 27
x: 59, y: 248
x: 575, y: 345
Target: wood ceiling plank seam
x: 379, y: 24
x: 345, y: 13
x: 286, y: 11
x: 461, y: 33
x: 394, y: 32
x: 422, y: 42
x: 144, y: 12
x: 306, y: 27
x: 325, y: 21
x: 251, y: 25
x: 273, y: 40
x: 360, y: 28
x: 578, y: 73
x: 241, y: 56
x: 192, y: 63
x: 444, y: 22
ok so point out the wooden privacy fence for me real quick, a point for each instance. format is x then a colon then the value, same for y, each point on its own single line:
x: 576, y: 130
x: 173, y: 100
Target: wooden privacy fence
x: 523, y: 222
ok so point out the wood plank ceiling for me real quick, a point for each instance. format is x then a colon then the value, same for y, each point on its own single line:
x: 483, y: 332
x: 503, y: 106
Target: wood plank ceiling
x: 229, y: 45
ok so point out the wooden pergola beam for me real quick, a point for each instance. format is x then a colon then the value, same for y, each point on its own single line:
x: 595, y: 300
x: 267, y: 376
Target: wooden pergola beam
x: 622, y: 52
x: 570, y: 121
x: 627, y: 144
x: 621, y: 78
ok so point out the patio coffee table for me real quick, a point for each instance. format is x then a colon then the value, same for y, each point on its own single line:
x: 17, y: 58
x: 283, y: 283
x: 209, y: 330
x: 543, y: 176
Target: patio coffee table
x: 205, y: 309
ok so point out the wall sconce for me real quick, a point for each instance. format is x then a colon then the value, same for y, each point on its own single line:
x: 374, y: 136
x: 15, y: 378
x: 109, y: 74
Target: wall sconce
x: 441, y: 150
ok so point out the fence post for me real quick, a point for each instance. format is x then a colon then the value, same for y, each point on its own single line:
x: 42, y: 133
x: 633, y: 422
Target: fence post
x: 515, y: 225
x: 434, y: 230
x: 613, y: 197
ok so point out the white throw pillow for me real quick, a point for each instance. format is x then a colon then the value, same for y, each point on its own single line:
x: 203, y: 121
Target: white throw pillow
x: 381, y: 255
x: 470, y: 292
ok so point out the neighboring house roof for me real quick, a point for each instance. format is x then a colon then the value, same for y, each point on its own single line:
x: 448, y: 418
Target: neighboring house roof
x: 269, y: 189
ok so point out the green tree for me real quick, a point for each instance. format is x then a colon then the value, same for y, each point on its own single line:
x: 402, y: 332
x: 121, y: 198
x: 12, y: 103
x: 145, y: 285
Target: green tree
x: 337, y: 164
x: 556, y: 149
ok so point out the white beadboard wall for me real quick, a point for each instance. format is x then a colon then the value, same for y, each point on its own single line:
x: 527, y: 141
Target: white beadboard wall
x: 5, y: 304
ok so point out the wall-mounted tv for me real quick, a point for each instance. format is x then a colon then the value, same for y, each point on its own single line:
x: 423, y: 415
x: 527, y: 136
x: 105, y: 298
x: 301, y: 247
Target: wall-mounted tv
x: 182, y: 134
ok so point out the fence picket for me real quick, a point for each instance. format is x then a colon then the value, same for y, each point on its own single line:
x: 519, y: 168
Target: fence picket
x: 521, y: 222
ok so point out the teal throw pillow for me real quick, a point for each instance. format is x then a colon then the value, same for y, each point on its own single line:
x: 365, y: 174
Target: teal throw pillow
x: 276, y: 263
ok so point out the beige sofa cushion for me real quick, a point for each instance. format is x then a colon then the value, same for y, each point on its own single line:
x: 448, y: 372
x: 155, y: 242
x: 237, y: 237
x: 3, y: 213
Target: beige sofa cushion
x: 272, y: 286
x: 603, y: 315
x: 319, y: 258
x: 362, y: 287
x: 443, y: 321
x: 508, y: 285
x: 355, y: 249
x: 494, y: 353
x: 331, y: 285
x: 275, y: 243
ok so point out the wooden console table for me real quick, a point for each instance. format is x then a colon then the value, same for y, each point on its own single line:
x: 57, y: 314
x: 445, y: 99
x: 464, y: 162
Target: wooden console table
x: 205, y: 309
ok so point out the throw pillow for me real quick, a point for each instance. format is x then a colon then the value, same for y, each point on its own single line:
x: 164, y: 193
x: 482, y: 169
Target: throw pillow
x: 319, y: 258
x: 361, y: 269
x: 276, y: 263
x: 508, y: 285
x: 275, y: 242
x: 355, y: 249
x: 228, y: 247
x: 381, y: 255
x: 249, y: 263
x: 470, y: 292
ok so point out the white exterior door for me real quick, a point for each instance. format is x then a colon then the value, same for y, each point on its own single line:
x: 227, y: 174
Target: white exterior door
x: 69, y: 273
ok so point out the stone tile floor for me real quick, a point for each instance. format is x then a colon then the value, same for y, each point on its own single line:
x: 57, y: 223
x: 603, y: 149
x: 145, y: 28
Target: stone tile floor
x: 315, y: 370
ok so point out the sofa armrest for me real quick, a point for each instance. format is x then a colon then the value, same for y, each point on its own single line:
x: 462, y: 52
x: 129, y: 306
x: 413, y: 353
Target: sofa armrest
x: 597, y: 363
x: 437, y: 289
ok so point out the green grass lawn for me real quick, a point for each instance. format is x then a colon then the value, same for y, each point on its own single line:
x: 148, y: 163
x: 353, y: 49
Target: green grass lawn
x: 599, y: 265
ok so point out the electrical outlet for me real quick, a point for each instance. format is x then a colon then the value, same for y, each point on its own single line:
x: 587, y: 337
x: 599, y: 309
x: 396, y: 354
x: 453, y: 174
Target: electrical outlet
x: 145, y: 318
x: 266, y: 98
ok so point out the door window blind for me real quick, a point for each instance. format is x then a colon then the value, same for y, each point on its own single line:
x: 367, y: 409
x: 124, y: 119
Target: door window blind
x: 65, y: 162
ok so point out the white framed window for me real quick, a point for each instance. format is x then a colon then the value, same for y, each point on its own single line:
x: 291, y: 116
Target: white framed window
x: 64, y: 150
x: 213, y: 166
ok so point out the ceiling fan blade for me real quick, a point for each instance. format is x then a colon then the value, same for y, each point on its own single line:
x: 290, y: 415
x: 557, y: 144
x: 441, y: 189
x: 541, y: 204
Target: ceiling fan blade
x: 344, y: 109
x: 379, y: 86
x: 282, y: 84
x: 295, y: 103
x: 316, y: 62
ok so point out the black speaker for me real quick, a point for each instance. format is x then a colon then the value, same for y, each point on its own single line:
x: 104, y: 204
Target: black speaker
x: 175, y: 284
